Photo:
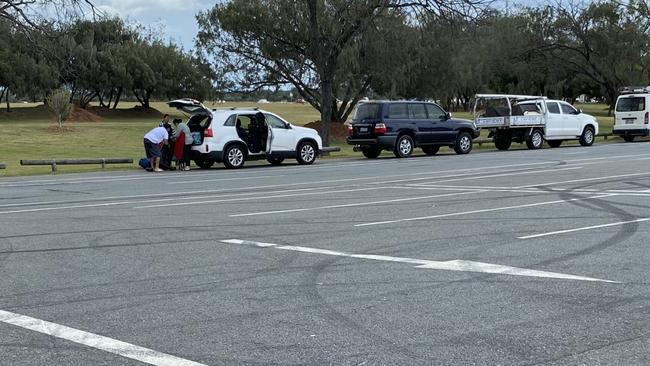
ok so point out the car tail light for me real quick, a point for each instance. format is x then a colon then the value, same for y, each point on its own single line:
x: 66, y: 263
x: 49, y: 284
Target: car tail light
x: 380, y: 128
x: 350, y: 130
x: 208, y: 133
x: 646, y: 119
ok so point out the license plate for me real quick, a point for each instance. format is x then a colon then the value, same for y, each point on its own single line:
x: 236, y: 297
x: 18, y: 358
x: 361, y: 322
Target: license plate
x: 629, y: 122
x: 363, y: 129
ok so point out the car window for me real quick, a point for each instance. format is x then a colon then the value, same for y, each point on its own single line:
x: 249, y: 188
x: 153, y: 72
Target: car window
x: 417, y: 111
x: 274, y: 121
x: 367, y: 111
x: 630, y: 104
x: 435, y: 112
x: 568, y: 109
x: 553, y: 108
x: 231, y: 120
x: 398, y: 111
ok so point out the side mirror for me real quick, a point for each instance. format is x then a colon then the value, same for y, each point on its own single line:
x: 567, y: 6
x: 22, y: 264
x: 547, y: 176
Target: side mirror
x: 447, y: 115
x: 287, y: 126
x: 579, y: 111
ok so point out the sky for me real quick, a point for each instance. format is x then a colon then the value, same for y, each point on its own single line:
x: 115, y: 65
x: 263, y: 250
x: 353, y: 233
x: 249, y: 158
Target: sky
x: 176, y: 18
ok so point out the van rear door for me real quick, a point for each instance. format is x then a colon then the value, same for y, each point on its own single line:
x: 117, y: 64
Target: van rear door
x: 631, y: 112
x: 189, y: 106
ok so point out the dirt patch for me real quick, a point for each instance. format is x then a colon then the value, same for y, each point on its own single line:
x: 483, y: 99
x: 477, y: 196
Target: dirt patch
x: 337, y: 130
x: 135, y: 112
x: 79, y: 114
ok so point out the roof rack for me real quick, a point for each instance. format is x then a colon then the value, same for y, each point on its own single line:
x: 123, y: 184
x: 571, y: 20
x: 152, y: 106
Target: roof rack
x: 634, y: 89
x: 253, y: 108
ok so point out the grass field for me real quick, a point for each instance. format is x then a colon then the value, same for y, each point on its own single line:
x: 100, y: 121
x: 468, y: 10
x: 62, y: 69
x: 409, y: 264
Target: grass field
x: 28, y: 131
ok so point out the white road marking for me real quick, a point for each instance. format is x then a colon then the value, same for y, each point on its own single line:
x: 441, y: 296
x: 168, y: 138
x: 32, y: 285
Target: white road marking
x: 480, y: 211
x: 110, y: 345
x: 352, y: 204
x: 584, y: 228
x: 226, y: 179
x: 528, y: 172
x: 453, y: 265
x: 290, y: 194
x: 584, y: 180
x: 66, y: 207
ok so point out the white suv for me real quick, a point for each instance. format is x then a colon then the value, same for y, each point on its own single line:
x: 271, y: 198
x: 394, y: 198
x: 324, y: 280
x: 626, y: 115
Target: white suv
x: 234, y: 135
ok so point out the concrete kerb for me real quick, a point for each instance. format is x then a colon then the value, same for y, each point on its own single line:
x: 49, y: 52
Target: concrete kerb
x: 54, y: 162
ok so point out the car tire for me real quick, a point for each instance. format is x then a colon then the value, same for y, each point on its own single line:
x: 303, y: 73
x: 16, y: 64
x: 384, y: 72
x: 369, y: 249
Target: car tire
x: 234, y: 156
x: 430, y: 150
x: 204, y: 164
x: 535, y: 140
x: 371, y: 152
x: 463, y: 143
x: 587, y: 138
x: 275, y: 161
x: 403, y: 146
x: 306, y: 153
x: 628, y: 138
x: 554, y: 143
x: 502, y: 141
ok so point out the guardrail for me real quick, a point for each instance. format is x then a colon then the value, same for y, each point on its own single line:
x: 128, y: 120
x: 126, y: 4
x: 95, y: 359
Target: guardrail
x: 481, y: 141
x: 3, y: 166
x: 54, y: 162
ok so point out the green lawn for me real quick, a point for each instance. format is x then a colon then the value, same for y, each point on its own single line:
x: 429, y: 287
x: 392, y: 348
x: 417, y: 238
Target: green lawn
x: 120, y: 133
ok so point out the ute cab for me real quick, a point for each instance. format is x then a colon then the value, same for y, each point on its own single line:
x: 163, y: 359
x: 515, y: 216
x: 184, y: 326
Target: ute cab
x: 233, y: 136
x: 632, y: 113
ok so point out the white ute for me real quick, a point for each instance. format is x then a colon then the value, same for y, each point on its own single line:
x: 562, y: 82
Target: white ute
x: 532, y: 119
x: 232, y: 136
x: 632, y: 113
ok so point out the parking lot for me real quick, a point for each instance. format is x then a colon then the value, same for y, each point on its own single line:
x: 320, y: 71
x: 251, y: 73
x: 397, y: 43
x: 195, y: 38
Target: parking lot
x: 513, y: 258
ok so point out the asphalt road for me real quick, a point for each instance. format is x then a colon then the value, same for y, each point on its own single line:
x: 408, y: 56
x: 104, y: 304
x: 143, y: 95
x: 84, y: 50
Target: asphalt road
x: 493, y: 258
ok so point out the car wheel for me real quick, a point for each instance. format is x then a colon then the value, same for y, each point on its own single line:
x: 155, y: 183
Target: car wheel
x: 234, y: 157
x: 306, y: 153
x: 463, y: 143
x: 370, y: 152
x: 535, y: 140
x: 403, y: 146
x: 275, y: 161
x: 204, y: 164
x: 554, y: 143
x: 431, y: 150
x: 587, y: 137
x: 502, y: 141
x: 628, y: 138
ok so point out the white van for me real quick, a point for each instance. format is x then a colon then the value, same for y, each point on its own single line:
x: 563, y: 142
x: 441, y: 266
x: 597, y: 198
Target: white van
x: 632, y: 113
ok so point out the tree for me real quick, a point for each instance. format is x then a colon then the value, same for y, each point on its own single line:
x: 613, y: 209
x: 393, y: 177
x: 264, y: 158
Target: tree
x: 59, y: 104
x: 605, y: 42
x: 303, y: 43
x: 28, y: 14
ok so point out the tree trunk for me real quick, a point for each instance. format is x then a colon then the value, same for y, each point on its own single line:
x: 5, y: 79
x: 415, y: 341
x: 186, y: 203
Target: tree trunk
x: 101, y: 99
x: 60, y: 120
x: 326, y: 109
x: 3, y: 93
x: 117, y: 97
x: 7, y: 96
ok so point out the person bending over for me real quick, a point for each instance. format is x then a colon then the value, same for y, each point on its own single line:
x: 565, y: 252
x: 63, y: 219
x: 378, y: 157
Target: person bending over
x: 153, y: 141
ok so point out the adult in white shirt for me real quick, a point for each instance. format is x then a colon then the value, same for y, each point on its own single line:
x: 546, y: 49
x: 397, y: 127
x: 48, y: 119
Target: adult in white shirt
x: 153, y: 140
x: 182, y: 127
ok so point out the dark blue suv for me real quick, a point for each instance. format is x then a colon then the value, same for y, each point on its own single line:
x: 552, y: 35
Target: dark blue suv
x: 401, y: 126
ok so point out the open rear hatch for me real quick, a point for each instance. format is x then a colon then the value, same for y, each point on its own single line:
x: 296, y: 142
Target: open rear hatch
x: 189, y: 106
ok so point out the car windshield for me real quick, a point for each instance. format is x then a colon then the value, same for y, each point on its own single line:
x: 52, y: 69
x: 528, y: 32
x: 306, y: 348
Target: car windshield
x: 367, y: 111
x: 631, y: 104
